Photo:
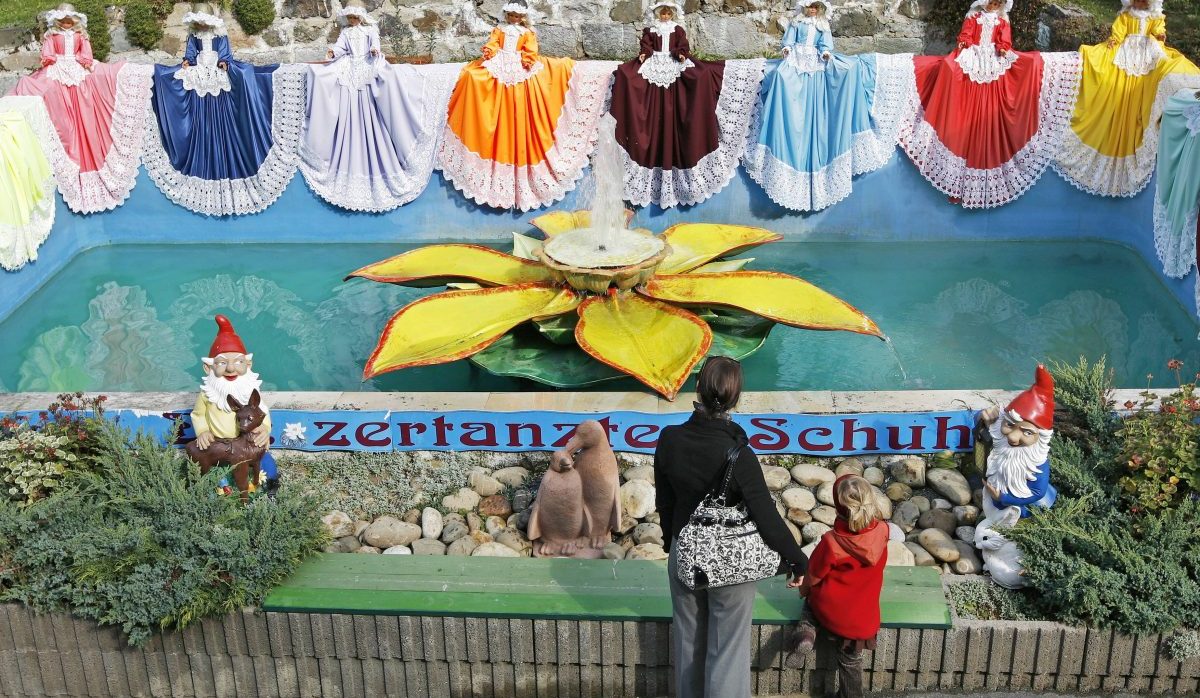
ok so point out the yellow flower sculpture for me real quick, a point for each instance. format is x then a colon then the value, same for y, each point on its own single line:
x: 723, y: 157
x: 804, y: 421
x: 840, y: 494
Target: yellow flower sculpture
x: 655, y: 332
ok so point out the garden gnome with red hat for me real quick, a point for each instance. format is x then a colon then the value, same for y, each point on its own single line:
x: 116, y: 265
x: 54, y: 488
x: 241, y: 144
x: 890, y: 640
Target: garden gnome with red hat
x: 226, y: 374
x: 1018, y: 467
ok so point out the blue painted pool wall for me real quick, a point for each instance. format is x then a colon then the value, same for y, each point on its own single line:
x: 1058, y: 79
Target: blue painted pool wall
x: 890, y: 204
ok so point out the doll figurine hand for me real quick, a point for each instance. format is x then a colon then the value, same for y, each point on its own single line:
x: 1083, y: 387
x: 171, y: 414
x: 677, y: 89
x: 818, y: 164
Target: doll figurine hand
x: 526, y: 63
x: 786, y: 51
x: 1161, y: 37
x: 487, y: 53
x: 962, y: 45
x: 329, y: 55
x: 204, y: 440
x: 825, y: 55
x: 1110, y: 43
x: 641, y: 58
x: 47, y: 61
x: 374, y: 52
x: 186, y: 64
x: 262, y: 437
x: 223, y: 65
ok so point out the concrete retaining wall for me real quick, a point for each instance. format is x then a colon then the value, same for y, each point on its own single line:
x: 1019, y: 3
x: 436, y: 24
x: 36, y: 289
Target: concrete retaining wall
x: 283, y: 654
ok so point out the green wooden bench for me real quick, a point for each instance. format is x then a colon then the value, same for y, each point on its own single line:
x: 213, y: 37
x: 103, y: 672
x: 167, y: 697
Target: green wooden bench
x: 484, y: 587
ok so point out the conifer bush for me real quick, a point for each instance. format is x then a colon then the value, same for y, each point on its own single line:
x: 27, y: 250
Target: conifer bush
x: 97, y: 28
x: 145, y: 542
x: 142, y: 25
x: 254, y: 15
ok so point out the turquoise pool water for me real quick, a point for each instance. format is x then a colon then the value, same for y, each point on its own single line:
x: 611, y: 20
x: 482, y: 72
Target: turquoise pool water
x: 960, y: 315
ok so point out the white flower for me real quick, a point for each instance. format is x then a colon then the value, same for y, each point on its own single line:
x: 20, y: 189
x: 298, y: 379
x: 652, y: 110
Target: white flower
x: 294, y: 432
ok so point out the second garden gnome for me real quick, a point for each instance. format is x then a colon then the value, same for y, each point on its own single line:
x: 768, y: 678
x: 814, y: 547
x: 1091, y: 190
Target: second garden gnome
x: 578, y: 504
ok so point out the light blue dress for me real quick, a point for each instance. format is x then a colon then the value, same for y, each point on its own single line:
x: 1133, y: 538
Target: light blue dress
x: 1177, y: 192
x: 817, y: 129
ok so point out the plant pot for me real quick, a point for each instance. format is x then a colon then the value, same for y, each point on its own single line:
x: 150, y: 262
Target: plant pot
x: 425, y: 59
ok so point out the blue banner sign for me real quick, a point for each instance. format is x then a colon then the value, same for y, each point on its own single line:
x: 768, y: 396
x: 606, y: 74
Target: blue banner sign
x: 636, y: 432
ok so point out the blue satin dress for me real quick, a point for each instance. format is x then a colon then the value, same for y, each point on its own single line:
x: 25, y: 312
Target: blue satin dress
x: 215, y: 130
x: 816, y: 131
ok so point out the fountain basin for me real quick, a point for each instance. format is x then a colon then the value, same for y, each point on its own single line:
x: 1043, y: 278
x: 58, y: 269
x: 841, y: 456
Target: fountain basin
x: 624, y: 258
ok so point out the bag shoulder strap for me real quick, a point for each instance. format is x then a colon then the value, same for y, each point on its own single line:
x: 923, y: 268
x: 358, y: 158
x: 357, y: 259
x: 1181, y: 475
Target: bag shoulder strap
x: 731, y: 457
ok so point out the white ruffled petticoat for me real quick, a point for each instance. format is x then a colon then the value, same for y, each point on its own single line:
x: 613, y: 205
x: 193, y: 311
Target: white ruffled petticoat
x: 1138, y: 55
x: 506, y: 67
x: 662, y: 70
x: 204, y: 78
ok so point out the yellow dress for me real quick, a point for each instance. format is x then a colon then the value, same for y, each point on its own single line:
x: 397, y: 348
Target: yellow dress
x: 520, y: 125
x: 1112, y: 146
x: 26, y: 180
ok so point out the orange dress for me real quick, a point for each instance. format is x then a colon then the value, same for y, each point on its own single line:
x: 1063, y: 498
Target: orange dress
x: 521, y: 125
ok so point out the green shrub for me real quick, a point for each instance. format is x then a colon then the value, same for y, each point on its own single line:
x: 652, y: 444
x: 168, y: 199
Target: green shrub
x: 1183, y: 645
x: 146, y: 542
x: 142, y: 25
x: 1183, y: 26
x: 983, y: 600
x: 35, y: 458
x: 1160, y: 447
x: 97, y: 28
x: 254, y: 15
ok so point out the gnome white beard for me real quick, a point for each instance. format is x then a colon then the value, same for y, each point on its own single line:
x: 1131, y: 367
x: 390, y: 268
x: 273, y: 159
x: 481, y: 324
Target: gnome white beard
x: 217, y: 389
x: 1011, y: 468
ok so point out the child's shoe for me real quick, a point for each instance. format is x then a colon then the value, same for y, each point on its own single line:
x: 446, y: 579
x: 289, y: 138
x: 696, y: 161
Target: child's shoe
x: 799, y: 644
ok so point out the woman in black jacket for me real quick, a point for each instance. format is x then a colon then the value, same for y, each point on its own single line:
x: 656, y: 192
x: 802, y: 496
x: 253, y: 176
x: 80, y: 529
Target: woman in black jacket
x: 711, y: 628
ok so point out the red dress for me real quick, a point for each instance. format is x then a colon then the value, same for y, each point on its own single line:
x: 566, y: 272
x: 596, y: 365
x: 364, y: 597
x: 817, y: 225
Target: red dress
x: 991, y: 118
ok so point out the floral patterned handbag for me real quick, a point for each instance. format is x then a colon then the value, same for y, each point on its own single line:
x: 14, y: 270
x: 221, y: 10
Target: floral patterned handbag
x: 721, y: 545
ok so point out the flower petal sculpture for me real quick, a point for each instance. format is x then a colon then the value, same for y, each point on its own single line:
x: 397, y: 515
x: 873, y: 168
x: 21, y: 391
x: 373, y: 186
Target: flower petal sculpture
x: 654, y: 323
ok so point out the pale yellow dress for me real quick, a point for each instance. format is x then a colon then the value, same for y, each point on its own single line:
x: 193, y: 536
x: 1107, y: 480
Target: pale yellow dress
x: 26, y: 180
x: 1113, y: 142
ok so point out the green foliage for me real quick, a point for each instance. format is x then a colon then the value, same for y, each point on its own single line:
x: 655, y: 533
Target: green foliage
x: 254, y: 15
x: 983, y: 600
x: 36, y: 458
x: 97, y: 28
x: 369, y: 485
x: 1183, y: 645
x: 142, y: 25
x: 146, y: 542
x: 1095, y: 564
x: 1183, y: 26
x: 1160, y: 447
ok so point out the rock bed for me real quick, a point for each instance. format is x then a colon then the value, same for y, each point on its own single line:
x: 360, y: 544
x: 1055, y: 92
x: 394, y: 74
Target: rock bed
x: 930, y: 507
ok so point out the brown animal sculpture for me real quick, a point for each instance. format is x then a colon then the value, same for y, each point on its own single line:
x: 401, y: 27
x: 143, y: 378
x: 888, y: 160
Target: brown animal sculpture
x: 579, y: 501
x: 239, y: 452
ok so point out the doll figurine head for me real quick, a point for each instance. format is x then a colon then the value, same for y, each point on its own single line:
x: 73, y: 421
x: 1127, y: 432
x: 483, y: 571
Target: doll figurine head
x: 203, y: 18
x: 1154, y: 7
x: 516, y: 13
x: 814, y: 9
x: 998, y: 7
x: 665, y: 11
x: 66, y: 18
x: 353, y: 14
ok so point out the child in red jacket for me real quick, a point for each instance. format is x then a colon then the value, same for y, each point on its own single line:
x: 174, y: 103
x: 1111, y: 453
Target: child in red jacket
x: 842, y: 585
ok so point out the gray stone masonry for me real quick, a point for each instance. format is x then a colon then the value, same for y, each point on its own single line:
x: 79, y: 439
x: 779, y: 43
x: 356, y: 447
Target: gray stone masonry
x: 290, y: 654
x: 454, y: 30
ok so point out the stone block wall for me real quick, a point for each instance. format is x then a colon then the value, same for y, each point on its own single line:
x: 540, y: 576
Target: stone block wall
x: 453, y: 30
x: 252, y: 654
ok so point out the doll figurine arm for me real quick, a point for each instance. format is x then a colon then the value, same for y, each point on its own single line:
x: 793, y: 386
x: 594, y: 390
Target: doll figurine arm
x: 49, y: 57
x: 790, y: 38
x: 373, y: 41
x: 527, y: 46
x: 224, y: 55
x: 1119, y: 31
x: 682, y: 49
x: 1003, y: 37
x: 1157, y: 28
x: 494, y: 42
x: 646, y: 45
x: 966, y: 37
x: 191, y: 50
x: 84, y: 54
x: 825, y: 43
x: 340, y: 48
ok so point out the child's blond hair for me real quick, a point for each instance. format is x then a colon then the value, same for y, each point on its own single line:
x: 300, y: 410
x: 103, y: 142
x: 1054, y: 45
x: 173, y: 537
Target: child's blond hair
x: 857, y: 497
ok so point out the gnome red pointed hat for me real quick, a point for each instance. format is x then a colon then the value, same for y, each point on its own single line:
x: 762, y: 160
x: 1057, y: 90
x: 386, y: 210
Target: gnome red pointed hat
x: 1037, y: 403
x: 227, y: 340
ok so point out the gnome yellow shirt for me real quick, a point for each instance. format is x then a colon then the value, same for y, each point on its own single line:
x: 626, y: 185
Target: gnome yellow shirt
x: 207, y: 417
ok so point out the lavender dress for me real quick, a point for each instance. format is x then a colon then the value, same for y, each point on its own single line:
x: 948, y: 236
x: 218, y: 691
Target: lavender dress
x: 371, y: 128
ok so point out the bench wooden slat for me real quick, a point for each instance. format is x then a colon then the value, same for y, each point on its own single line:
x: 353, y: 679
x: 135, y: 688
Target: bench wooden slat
x: 553, y: 588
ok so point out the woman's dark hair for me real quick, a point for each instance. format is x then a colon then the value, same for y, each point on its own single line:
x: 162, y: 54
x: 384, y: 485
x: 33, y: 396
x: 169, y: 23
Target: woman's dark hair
x: 719, y: 385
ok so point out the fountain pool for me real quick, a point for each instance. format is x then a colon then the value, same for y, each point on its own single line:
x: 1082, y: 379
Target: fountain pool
x: 964, y: 315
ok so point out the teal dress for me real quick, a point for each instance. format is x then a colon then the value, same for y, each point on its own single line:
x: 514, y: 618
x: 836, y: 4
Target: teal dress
x: 1177, y: 193
x: 817, y: 128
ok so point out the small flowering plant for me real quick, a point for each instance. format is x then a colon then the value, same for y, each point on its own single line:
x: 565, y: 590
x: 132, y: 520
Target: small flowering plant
x: 1160, y: 446
x: 37, y: 454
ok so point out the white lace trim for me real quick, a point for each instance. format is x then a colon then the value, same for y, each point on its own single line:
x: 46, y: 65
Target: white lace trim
x: 1138, y: 55
x: 19, y: 243
x: 1176, y: 248
x: 226, y: 197
x: 1191, y: 117
x: 498, y: 185
x: 983, y: 65
x: 988, y: 188
x: 897, y: 101
x: 1103, y: 175
x: 813, y: 191
x: 65, y: 70
x: 506, y: 67
x: 662, y: 70
x: 805, y: 59
x: 379, y: 194
x: 108, y: 187
x: 737, y: 108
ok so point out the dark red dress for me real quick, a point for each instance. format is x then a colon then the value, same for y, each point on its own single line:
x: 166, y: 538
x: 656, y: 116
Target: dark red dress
x: 669, y: 112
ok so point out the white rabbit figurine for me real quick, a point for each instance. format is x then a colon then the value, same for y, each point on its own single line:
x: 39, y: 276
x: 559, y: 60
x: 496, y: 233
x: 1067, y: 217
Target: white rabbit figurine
x: 1001, y: 558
